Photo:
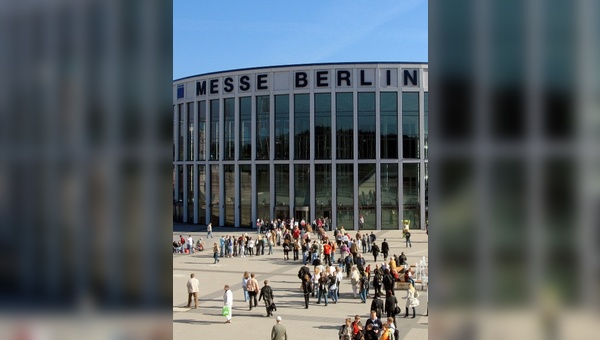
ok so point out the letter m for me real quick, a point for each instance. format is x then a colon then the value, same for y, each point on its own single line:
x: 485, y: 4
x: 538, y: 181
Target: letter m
x: 200, y: 88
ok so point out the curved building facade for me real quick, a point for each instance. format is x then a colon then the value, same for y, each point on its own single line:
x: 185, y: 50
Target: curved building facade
x: 339, y: 140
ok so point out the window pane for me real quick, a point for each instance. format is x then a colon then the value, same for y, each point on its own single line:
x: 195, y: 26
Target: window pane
x: 245, y: 195
x: 229, y: 113
x: 214, y: 195
x: 202, y: 130
x: 180, y: 114
x: 214, y: 130
x: 366, y: 125
x: 410, y: 125
x: 263, y: 122
x: 229, y: 182
x: 301, y: 126
x: 245, y: 128
x: 190, y: 194
x: 282, y: 127
x: 367, y: 194
x: 201, y: 183
x: 345, y: 126
x: 323, y: 187
x: 323, y: 126
x: 282, y: 190
x: 426, y: 122
x: 263, y: 192
x: 389, y: 196
x: 190, y: 130
x: 302, y: 185
x: 410, y: 188
x: 345, y: 195
x: 389, y: 125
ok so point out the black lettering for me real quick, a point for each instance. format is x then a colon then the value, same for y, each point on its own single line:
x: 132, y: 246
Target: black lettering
x: 200, y: 88
x: 413, y: 79
x: 214, y: 86
x: 322, y: 78
x: 389, y: 77
x: 343, y: 75
x: 362, y: 79
x: 260, y: 80
x: 301, y: 79
x: 244, y: 84
x: 228, y: 84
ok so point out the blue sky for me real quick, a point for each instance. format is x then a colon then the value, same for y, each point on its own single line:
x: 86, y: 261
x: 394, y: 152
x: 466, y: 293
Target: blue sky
x: 211, y: 36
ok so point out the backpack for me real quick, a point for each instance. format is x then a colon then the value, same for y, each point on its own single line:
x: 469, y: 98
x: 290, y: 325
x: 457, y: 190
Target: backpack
x: 348, y: 260
x: 395, y: 335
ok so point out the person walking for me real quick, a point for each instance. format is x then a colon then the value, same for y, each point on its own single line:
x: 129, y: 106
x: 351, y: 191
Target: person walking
x: 245, y: 279
x: 407, y: 235
x: 193, y: 286
x: 278, y: 332
x: 345, y: 332
x: 216, y: 253
x: 228, y: 302
x: 306, y: 289
x: 411, y: 300
x: 209, y: 231
x: 390, y: 305
x: 190, y: 244
x: 266, y: 294
x: 375, y: 250
x: 385, y: 249
x: 252, y: 287
x: 377, y: 306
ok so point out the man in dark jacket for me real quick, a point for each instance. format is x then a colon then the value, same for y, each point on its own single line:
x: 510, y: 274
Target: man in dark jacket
x: 375, y: 250
x: 388, y: 281
x: 375, y: 321
x: 385, y: 248
x: 377, y: 306
x: 266, y: 293
x: 390, y: 304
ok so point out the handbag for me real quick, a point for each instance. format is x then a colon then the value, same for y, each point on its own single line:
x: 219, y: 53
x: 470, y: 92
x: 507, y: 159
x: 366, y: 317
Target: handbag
x: 396, y: 310
x: 226, y: 311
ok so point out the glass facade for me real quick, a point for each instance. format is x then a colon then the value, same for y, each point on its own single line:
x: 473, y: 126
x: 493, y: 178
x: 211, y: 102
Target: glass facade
x: 229, y: 180
x: 411, y: 209
x: 282, y: 127
x: 263, y: 122
x: 410, y: 125
x: 389, y: 125
x: 344, y: 114
x: 302, y: 185
x: 201, y: 188
x: 245, y: 128
x: 229, y: 127
x: 215, y: 203
x: 269, y: 152
x: 202, y: 130
x: 245, y: 195
x: 323, y: 189
x: 180, y: 131
x: 367, y: 194
x: 322, y: 126
x: 282, y: 191
x: 214, y: 130
x: 345, y: 195
x: 302, y: 126
x: 190, y: 193
x: 190, y: 131
x: 263, y: 192
x: 366, y: 125
x: 389, y: 196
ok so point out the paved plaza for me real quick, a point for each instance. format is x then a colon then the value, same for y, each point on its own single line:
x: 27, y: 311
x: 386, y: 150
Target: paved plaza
x: 316, y: 322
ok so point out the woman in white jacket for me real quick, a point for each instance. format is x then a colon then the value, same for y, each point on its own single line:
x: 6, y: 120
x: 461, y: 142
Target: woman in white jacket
x: 411, y: 300
x: 228, y: 302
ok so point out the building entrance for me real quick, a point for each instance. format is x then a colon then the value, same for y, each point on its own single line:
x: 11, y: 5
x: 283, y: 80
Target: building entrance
x: 302, y: 213
x: 282, y: 212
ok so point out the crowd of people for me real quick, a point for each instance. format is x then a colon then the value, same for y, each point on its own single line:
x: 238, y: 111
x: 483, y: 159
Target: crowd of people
x: 333, y: 259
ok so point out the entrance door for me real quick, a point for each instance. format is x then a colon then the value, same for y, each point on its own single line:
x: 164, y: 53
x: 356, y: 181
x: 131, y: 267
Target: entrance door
x: 282, y: 212
x: 302, y: 213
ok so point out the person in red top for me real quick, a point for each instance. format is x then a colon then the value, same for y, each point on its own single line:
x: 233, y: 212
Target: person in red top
x: 296, y: 233
x: 357, y: 326
x: 327, y: 252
